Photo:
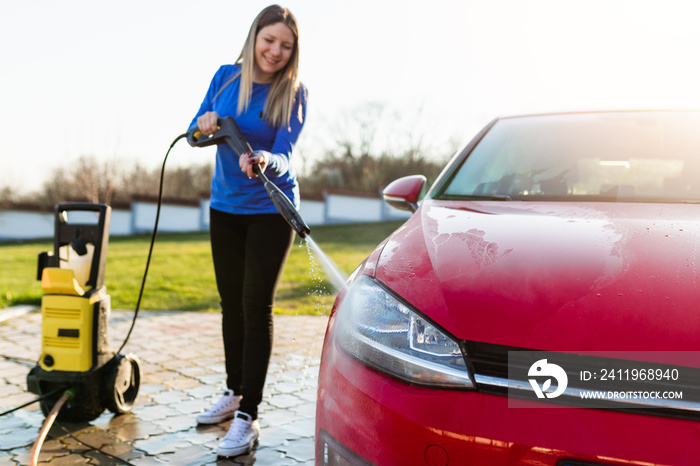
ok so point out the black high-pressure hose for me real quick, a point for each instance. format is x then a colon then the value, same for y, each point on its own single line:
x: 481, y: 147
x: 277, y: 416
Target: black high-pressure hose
x: 153, y: 240
x: 36, y: 400
x: 93, y: 448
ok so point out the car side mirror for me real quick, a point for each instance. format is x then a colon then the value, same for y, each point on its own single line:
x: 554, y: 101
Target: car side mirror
x: 405, y: 192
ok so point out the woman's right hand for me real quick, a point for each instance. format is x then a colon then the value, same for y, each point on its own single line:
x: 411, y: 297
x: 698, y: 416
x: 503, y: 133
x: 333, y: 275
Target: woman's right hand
x: 208, y: 123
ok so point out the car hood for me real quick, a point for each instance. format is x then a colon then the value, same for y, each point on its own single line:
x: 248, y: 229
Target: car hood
x: 555, y: 276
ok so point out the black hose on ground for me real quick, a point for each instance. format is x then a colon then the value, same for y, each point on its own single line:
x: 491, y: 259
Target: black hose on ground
x: 42, y: 397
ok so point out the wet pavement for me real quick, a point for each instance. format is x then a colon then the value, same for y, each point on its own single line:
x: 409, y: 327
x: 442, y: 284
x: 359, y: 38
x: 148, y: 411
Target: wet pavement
x: 182, y: 373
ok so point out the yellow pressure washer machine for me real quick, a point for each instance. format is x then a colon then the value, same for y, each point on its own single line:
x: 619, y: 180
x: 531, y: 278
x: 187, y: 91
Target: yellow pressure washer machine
x: 75, y: 311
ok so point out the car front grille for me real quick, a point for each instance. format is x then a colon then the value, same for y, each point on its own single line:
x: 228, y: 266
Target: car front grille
x: 490, y: 365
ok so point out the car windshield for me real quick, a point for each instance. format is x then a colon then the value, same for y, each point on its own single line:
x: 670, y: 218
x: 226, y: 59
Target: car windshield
x: 615, y: 156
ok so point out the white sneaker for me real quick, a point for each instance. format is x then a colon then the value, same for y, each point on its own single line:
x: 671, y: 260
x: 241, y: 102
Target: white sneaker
x: 241, y: 436
x: 223, y: 409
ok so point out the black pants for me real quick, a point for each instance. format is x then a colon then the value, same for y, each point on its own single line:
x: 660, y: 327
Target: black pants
x: 249, y: 254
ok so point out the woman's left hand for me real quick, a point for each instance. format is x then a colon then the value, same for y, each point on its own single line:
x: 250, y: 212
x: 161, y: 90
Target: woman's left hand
x: 246, y: 162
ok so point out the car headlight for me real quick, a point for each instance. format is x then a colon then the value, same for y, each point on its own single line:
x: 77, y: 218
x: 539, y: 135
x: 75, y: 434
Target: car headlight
x: 379, y: 330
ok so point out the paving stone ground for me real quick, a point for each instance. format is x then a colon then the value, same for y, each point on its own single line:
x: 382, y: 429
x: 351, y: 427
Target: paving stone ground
x: 182, y: 373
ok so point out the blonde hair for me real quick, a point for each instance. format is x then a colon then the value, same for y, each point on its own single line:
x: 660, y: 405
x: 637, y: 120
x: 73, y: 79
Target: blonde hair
x: 285, y: 86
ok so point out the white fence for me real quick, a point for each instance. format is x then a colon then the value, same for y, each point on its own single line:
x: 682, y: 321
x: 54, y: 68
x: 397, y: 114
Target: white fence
x: 333, y: 209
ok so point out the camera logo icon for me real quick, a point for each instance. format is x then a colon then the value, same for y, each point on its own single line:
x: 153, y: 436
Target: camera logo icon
x: 543, y: 369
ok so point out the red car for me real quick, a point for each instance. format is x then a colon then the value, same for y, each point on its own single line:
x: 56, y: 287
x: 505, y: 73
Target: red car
x: 540, y: 307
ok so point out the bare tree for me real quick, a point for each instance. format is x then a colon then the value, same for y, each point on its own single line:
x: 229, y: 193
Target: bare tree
x: 374, y: 146
x: 356, y: 130
x: 7, y: 194
x: 94, y: 181
x: 183, y: 183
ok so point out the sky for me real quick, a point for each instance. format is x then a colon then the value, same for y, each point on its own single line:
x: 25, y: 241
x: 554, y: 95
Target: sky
x: 119, y: 81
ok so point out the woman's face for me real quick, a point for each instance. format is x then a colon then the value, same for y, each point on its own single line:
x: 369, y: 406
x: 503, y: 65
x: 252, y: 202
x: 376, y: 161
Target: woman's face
x: 273, y: 48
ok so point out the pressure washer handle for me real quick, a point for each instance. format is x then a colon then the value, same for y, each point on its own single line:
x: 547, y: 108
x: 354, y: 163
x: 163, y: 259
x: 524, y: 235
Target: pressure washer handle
x: 228, y: 133
x: 196, y: 139
x: 81, y: 206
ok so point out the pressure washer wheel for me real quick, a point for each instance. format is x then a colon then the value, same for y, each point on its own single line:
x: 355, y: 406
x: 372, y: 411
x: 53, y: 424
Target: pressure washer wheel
x: 122, y: 378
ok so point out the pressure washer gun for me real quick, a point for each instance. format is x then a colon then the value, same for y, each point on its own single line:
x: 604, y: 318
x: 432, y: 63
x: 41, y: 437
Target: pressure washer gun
x: 231, y: 134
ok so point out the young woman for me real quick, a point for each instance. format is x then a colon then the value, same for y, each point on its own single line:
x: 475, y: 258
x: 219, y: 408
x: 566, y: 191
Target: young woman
x: 250, y: 240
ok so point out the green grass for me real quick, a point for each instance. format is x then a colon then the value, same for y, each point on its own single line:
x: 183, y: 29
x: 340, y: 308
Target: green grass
x: 181, y: 275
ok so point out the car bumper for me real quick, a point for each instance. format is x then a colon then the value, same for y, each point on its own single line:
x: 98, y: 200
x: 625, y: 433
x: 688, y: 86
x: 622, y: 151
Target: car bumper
x: 364, y: 417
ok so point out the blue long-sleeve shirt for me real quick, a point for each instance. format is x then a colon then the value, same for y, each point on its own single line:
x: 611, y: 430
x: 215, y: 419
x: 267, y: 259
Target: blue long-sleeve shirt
x: 231, y: 190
